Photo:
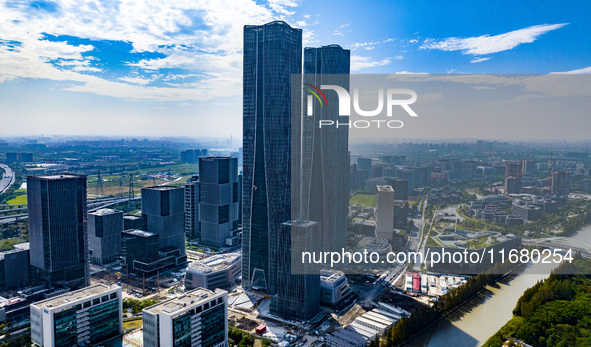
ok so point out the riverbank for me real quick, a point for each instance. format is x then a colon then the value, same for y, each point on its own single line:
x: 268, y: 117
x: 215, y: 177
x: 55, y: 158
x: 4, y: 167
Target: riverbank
x: 462, y: 305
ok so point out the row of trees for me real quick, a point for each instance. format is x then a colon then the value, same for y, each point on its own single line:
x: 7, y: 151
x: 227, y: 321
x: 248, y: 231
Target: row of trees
x: 243, y: 339
x: 138, y: 305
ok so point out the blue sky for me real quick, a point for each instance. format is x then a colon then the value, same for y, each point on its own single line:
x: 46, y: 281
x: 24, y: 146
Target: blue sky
x: 174, y: 68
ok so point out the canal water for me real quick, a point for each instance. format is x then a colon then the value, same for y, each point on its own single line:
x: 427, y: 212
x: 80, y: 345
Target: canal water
x: 474, y: 323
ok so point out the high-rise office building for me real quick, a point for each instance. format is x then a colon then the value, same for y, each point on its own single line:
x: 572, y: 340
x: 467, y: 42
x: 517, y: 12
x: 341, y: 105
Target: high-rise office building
x: 365, y: 164
x: 218, y: 199
x: 14, y: 267
x: 80, y: 318
x: 385, y: 212
x: 324, y: 153
x: 560, y: 183
x: 298, y: 282
x: 58, y: 229
x: 192, y: 207
x: 164, y: 211
x: 140, y: 246
x: 104, y: 235
x: 143, y: 256
x: 400, y: 187
x: 272, y: 53
x: 197, y: 318
x: 513, y: 177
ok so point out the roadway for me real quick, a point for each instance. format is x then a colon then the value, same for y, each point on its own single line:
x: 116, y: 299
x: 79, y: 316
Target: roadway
x: 92, y: 206
x: 7, y: 179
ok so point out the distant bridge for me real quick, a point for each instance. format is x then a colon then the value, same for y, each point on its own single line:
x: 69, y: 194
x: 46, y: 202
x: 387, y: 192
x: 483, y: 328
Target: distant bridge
x: 563, y: 243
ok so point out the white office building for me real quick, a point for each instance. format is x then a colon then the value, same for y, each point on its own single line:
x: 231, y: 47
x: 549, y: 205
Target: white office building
x: 197, y: 318
x: 385, y: 212
x: 83, y: 317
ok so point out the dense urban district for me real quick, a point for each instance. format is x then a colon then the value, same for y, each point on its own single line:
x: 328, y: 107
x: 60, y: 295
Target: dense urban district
x: 139, y: 243
x: 196, y: 242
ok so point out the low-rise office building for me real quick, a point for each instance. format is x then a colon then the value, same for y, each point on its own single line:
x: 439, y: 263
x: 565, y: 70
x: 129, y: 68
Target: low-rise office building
x: 217, y: 271
x: 198, y: 318
x: 334, y: 287
x: 82, y: 317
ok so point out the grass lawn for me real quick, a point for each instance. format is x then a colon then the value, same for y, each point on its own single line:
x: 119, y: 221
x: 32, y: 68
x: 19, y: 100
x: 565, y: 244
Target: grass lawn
x: 8, y: 244
x: 368, y: 200
x: 19, y: 200
x: 136, y: 324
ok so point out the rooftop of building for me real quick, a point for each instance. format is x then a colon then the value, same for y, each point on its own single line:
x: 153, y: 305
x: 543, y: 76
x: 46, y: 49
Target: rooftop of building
x: 57, y: 176
x: 17, y: 248
x: 171, y: 306
x: 331, y: 275
x: 385, y: 188
x: 300, y: 223
x: 373, y: 243
x: 104, y: 211
x: 215, y: 263
x: 161, y: 188
x: 131, y: 217
x: 137, y: 232
x: 74, y: 296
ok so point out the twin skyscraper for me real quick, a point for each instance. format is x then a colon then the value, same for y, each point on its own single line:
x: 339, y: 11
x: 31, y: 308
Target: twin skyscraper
x: 295, y: 174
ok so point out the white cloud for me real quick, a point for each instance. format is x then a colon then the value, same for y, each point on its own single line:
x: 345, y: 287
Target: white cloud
x: 136, y: 80
x: 487, y: 44
x: 280, y: 6
x: 479, y: 60
x: 585, y: 70
x: 369, y: 45
x: 359, y: 62
x: 202, y: 37
x: 339, y: 31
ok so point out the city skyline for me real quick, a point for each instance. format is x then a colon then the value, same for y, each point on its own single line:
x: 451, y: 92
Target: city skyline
x: 80, y: 77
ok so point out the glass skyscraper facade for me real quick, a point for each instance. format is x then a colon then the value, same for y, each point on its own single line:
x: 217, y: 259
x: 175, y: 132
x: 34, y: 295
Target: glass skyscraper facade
x: 272, y: 53
x: 218, y: 199
x: 163, y: 208
x: 298, y: 284
x: 324, y: 151
x: 58, y: 229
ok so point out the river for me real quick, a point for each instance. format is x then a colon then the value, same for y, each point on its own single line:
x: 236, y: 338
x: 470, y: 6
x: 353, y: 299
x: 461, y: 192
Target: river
x: 475, y: 322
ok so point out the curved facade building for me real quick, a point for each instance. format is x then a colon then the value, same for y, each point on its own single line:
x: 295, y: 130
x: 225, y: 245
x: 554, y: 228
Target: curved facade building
x: 272, y: 53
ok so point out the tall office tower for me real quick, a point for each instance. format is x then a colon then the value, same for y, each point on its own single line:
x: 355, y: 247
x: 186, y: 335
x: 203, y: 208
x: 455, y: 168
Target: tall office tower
x: 240, y: 199
x: 512, y: 168
x: 560, y: 183
x: 298, y: 282
x: 197, y: 318
x: 81, y: 318
x: 58, y: 229
x: 364, y: 164
x: 325, y: 152
x: 218, y: 199
x: 528, y: 167
x: 164, y: 211
x: 400, y: 187
x: 192, y: 207
x: 512, y: 177
x: 385, y: 212
x: 104, y: 235
x: 272, y: 53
